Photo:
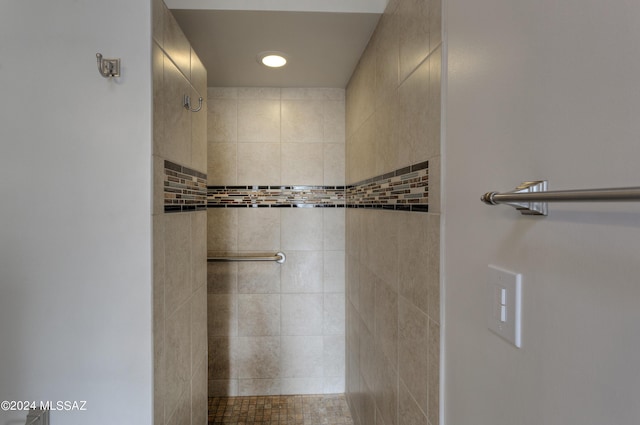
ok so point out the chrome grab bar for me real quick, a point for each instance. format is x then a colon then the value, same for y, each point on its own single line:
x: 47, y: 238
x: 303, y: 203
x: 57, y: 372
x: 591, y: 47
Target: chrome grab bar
x: 531, y: 198
x: 278, y: 258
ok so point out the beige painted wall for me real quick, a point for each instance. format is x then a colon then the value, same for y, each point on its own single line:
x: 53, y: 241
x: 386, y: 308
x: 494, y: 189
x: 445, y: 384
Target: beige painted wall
x: 544, y: 90
x: 75, y: 252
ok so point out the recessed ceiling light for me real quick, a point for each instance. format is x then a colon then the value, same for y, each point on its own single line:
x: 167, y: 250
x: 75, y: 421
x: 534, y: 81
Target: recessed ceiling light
x: 272, y: 59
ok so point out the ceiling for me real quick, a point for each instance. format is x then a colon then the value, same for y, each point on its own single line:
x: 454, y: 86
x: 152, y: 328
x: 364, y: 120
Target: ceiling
x: 323, y: 46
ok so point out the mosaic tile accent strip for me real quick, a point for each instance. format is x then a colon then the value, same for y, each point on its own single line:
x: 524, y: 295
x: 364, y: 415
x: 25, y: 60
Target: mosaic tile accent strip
x: 275, y: 196
x: 184, y: 189
x: 280, y: 410
x: 406, y: 189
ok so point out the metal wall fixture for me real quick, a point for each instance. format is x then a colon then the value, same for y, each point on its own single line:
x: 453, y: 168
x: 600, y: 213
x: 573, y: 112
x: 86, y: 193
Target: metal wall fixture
x: 186, y: 101
x: 108, y: 67
x: 278, y: 258
x: 531, y: 198
x: 37, y: 417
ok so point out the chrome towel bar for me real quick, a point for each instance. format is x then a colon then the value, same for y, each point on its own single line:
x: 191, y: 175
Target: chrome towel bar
x: 278, y: 258
x: 531, y: 198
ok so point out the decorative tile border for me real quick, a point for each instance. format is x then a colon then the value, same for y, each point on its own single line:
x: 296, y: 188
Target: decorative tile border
x: 184, y: 189
x: 406, y: 189
x: 275, y: 196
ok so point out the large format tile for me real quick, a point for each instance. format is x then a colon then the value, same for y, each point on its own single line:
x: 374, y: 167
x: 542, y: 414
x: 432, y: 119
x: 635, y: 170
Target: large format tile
x: 381, y: 248
x: 259, y: 93
x: 360, y: 92
x: 222, y: 278
x: 199, y: 328
x: 159, y: 99
x: 413, y: 122
x: 221, y: 364
x: 386, y: 322
x: 435, y: 103
x: 302, y: 272
x: 258, y: 120
x: 302, y: 229
x: 198, y: 160
x: 413, y: 257
x: 222, y: 229
x: 222, y: 164
x: 258, y: 277
x: 222, y: 120
x: 178, y: 357
x: 222, y: 93
x: 198, y: 75
x: 302, y: 121
x: 222, y: 314
x: 409, y: 413
x: 367, y: 297
x: 334, y: 121
x: 433, y: 410
x: 301, y: 314
x: 333, y: 384
x: 176, y: 44
x: 199, y: 396
x: 333, y: 356
x: 258, y: 357
x: 386, y: 134
x: 178, y: 270
x: 302, y: 385
x: 386, y: 390
x: 198, y: 249
x: 413, y: 351
x: 301, y: 357
x: 413, y: 25
x: 435, y: 26
x: 387, y: 55
x: 255, y: 387
x: 334, y: 271
x: 334, y: 164
x: 312, y: 93
x: 433, y: 261
x: 223, y: 387
x: 259, y: 229
x: 258, y: 314
x: 333, y: 322
x: 302, y: 164
x: 258, y: 164
x: 334, y: 229
x: 175, y: 141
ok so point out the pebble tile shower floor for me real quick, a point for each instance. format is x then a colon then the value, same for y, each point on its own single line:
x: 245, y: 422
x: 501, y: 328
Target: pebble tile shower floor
x: 280, y: 410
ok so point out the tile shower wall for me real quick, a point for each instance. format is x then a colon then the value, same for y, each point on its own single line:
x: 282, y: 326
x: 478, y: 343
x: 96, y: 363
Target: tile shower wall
x: 276, y: 329
x: 179, y: 228
x: 392, y: 265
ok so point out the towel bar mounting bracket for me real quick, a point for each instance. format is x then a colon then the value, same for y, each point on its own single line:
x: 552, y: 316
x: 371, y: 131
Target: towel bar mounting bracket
x: 525, y: 208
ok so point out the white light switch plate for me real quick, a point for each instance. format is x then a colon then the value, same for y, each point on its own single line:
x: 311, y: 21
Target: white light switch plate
x: 504, y: 289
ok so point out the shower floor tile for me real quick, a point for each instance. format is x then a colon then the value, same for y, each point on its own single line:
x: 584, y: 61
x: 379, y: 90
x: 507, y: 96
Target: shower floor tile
x: 280, y: 410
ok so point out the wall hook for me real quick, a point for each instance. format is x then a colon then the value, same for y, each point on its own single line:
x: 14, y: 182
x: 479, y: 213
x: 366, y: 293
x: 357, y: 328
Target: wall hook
x: 187, y: 103
x: 108, y: 67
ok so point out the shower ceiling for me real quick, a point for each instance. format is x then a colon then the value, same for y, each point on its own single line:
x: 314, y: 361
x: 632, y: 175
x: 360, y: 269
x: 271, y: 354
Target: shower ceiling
x: 322, y: 39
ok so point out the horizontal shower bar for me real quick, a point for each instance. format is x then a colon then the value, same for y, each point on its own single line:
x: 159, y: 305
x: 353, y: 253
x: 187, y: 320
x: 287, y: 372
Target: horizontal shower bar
x: 278, y: 258
x: 531, y: 198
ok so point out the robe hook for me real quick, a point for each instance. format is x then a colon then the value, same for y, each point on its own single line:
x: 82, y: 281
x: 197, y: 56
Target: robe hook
x: 108, y: 67
x: 187, y: 103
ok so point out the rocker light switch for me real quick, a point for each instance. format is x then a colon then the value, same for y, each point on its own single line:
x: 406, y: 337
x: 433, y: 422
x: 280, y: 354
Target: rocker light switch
x: 504, y: 305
